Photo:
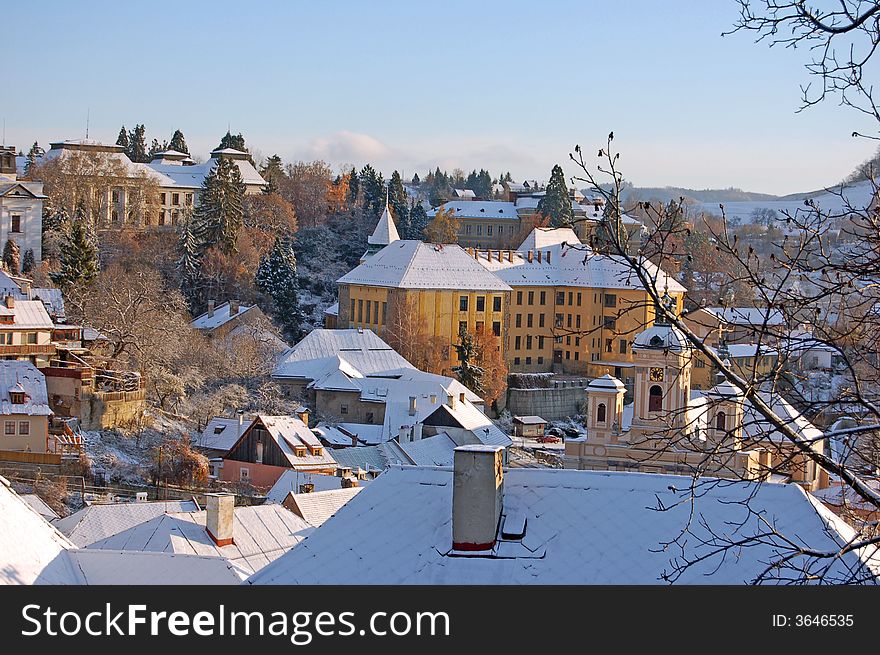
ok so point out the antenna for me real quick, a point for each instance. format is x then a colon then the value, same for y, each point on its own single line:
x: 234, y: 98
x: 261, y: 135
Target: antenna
x: 4, y: 131
x: 88, y: 116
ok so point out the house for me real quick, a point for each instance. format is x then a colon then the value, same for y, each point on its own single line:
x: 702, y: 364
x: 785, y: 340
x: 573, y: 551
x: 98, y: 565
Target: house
x: 21, y: 207
x: 316, y: 507
x: 529, y: 426
x: 246, y: 537
x: 26, y: 331
x: 670, y: 428
x: 220, y: 434
x: 477, y: 523
x: 24, y: 409
x: 735, y: 324
x: 438, y: 287
x: 219, y: 321
x: 299, y: 482
x: 269, y: 446
x: 97, y: 522
x: 33, y: 551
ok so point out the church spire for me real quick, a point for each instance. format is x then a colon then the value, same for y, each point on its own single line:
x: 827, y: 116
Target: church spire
x: 385, y: 231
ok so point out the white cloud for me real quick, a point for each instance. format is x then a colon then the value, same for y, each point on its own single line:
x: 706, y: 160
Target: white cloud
x: 348, y: 147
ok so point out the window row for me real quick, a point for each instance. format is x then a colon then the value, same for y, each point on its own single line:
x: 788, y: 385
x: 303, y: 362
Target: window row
x: 463, y: 302
x: 24, y: 428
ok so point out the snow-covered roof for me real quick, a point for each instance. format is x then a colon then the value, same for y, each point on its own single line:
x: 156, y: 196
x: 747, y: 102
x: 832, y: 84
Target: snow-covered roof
x: 222, y: 315
x: 340, y: 433
x: 755, y: 427
x: 290, y: 482
x: 544, y: 237
x: 385, y: 231
x: 52, y: 300
x: 289, y: 432
x: 464, y: 193
x: 98, y: 522
x: 28, y: 315
x: 529, y: 420
x: 332, y: 310
x: 260, y: 534
x: 572, y: 265
x: 16, y: 376
x: 437, y: 450
x: 581, y: 527
x: 749, y: 316
x: 192, y: 177
x: 221, y: 433
x: 39, y: 505
x: 468, y: 417
x: 739, y: 350
x: 661, y: 337
x: 487, y: 209
x: 607, y: 383
x: 367, y: 458
x: 318, y: 506
x: 113, y: 567
x: 322, y: 351
x: 417, y: 265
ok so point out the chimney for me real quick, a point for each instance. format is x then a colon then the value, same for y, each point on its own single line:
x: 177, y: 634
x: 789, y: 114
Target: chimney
x: 412, y: 405
x: 210, y: 308
x: 461, y: 397
x: 510, y: 256
x: 417, y: 432
x: 343, y: 471
x: 450, y: 400
x: 307, y: 487
x: 302, y: 413
x: 548, y: 256
x: 539, y: 256
x: 404, y: 434
x: 530, y: 255
x: 348, y: 483
x: 10, y: 302
x: 488, y: 255
x: 477, y: 495
x: 220, y: 512
x: 233, y: 307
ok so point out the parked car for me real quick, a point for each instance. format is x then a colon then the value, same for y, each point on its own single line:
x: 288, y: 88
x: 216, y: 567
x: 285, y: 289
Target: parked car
x: 548, y: 438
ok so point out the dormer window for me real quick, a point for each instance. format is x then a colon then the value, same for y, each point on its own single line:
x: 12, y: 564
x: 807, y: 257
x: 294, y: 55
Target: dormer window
x: 299, y: 451
x: 316, y: 451
x: 17, y: 397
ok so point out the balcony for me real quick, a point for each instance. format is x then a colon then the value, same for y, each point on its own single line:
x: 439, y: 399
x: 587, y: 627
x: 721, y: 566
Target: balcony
x: 28, y: 349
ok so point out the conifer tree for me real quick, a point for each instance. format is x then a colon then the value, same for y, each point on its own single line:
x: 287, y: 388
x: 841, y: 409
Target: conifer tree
x: 12, y: 257
x: 189, y: 263
x: 79, y: 255
x: 418, y: 221
x: 556, y: 203
x: 178, y: 143
x: 28, y: 263
x: 397, y: 200
x: 30, y: 163
x: 221, y: 207
x: 137, y: 144
x: 373, y: 190
x: 155, y: 147
x: 468, y: 372
x: 277, y: 278
x: 122, y: 139
x: 353, y: 187
x: 272, y: 172
x: 415, y: 180
x: 236, y: 142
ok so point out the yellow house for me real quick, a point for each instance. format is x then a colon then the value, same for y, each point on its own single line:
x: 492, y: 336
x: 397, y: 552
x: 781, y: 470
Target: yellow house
x: 433, y: 289
x: 572, y: 310
x: 24, y: 408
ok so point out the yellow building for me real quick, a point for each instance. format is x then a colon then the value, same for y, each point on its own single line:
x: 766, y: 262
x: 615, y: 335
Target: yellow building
x: 436, y: 290
x: 571, y: 310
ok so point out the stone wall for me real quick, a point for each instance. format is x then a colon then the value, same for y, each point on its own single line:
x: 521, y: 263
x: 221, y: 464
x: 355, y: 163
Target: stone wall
x: 552, y: 403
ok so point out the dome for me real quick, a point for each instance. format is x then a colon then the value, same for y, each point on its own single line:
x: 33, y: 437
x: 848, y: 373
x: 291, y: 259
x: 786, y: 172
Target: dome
x: 725, y: 391
x: 661, y: 337
x: 606, y: 383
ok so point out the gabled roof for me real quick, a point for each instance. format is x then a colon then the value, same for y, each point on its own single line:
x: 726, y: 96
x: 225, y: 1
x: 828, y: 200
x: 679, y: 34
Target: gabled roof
x: 485, y: 209
x: 386, y: 231
x: 290, y: 481
x: 437, y: 450
x: 21, y: 188
x: 417, y: 265
x: 221, y: 433
x: 318, y: 506
x: 367, y: 458
x: 289, y: 432
x: 97, y: 522
x: 16, y: 376
x: 466, y: 416
x: 29, y: 315
x: 749, y: 316
x: 221, y: 316
x: 581, y: 527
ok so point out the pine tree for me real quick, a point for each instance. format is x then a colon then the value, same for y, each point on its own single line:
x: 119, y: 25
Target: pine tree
x: 234, y: 141
x: 79, y: 255
x: 397, y: 200
x: 468, y: 372
x: 137, y: 145
x: 221, y: 207
x: 353, y: 187
x: 272, y: 172
x: 33, y: 154
x: 12, y: 257
x: 556, y: 204
x: 122, y: 140
x: 415, y: 180
x: 190, y: 260
x: 277, y: 278
x: 374, y: 191
x: 28, y: 263
x: 418, y: 221
x: 178, y: 143
x: 155, y: 147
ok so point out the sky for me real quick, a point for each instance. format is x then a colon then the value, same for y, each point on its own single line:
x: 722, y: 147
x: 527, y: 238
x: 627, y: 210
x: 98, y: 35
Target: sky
x: 507, y: 86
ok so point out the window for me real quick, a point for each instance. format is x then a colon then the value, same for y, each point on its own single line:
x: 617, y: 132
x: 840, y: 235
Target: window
x: 540, y: 360
x: 462, y: 326
x: 496, y: 304
x: 369, y: 311
x: 115, y: 195
x: 540, y: 343
x: 559, y: 319
x: 16, y: 397
x: 467, y: 229
x: 517, y: 342
x: 384, y: 310
x: 316, y: 450
x: 299, y: 451
x: 540, y: 320
x: 162, y: 198
x: 259, y: 459
x: 479, y: 230
x: 610, y: 300
x: 600, y: 413
x: 655, y: 399
x: 579, y: 298
x: 576, y: 355
x: 700, y: 363
x: 609, y: 345
x: 543, y: 297
x: 519, y: 320
x: 569, y: 321
x: 500, y: 230
x: 16, y: 223
x: 5, y: 338
x: 529, y: 320
x: 114, y: 216
x: 343, y: 409
x: 516, y: 361
x: 519, y: 297
x: 531, y: 297
x: 496, y: 328
x: 175, y: 198
x: 609, y: 323
x: 529, y: 342
x: 577, y: 341
x: 560, y: 297
x: 622, y: 346
x: 360, y: 311
x: 462, y: 303
x: 568, y: 340
x: 570, y: 298
x: 568, y: 354
x: 9, y: 427
x: 478, y: 327
x: 489, y: 230
x: 577, y: 321
x: 481, y: 303
x: 189, y: 199
x: 32, y: 338
x: 720, y: 421
x: 244, y: 474
x: 24, y: 427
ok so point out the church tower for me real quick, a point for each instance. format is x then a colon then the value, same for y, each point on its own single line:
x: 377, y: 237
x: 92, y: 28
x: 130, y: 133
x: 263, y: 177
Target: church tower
x: 384, y: 234
x: 605, y: 409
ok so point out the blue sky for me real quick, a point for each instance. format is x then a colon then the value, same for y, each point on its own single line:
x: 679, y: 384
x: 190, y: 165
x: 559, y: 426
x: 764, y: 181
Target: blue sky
x: 412, y: 85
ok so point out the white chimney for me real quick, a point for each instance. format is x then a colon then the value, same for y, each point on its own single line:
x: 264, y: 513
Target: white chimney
x: 450, y: 400
x: 417, y: 432
x: 412, y: 405
x: 210, y: 309
x: 10, y: 302
x: 477, y: 496
x: 220, y: 513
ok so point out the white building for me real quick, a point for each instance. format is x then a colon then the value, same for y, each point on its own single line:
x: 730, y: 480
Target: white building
x: 21, y: 207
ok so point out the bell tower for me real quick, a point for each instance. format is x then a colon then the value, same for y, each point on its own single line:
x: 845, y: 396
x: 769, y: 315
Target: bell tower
x: 605, y: 409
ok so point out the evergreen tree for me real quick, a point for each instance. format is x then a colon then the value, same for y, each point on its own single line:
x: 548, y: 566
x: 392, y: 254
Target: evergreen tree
x: 276, y: 277
x: 397, y: 200
x: 79, y: 255
x: 415, y: 180
x: 221, y: 207
x: 373, y: 190
x: 272, y: 172
x: 189, y: 262
x: 468, y: 372
x: 418, y: 221
x: 178, y: 143
x: 122, y: 140
x: 155, y: 147
x: 28, y: 263
x: 234, y: 141
x: 12, y: 257
x: 353, y: 187
x: 556, y: 204
x: 137, y: 145
x: 33, y: 154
